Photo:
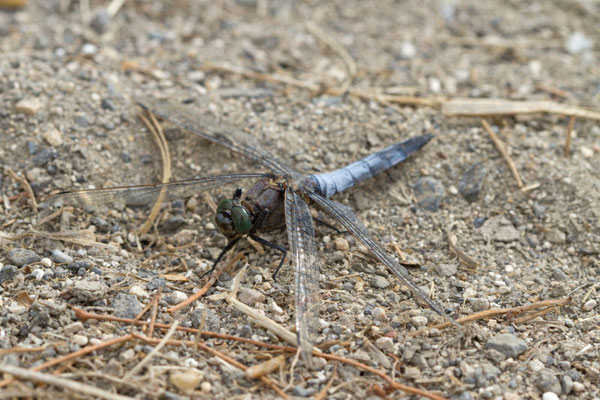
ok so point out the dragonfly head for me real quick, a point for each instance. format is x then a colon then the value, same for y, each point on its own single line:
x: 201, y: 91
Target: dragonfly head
x: 233, y: 218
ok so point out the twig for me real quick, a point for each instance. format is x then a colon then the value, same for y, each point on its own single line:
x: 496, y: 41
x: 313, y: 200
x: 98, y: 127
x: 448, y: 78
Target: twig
x: 152, y: 124
x: 73, y: 355
x: 569, y: 136
x: 208, y: 285
x: 26, y: 187
x: 460, y: 254
x: 61, y: 382
x: 215, y: 353
x: 502, y: 149
x: 155, y: 302
x: 492, y: 313
x: 153, y: 353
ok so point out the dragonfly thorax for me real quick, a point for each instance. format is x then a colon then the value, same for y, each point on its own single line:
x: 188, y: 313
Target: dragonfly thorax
x: 232, y: 218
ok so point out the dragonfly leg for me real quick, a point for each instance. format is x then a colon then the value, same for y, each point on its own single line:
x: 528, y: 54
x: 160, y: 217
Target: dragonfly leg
x: 225, y: 250
x: 275, y: 246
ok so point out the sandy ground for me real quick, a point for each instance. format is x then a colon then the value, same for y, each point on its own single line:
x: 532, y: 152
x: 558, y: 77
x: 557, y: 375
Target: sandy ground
x: 68, y: 79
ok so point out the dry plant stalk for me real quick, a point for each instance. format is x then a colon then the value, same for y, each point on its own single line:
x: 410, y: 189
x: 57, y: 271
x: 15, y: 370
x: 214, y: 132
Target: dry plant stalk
x: 569, y: 136
x: 502, y: 149
x: 26, y: 187
x: 460, y: 254
x: 157, y: 133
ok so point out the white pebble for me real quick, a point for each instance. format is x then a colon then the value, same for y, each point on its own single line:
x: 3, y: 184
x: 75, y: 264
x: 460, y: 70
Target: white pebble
x: 341, y: 244
x: 38, y: 273
x: 176, y: 297
x: 46, y: 262
x: 53, y: 136
x: 127, y: 355
x: 589, y: 305
x: 79, y: 340
x: 549, y: 396
x: 206, y: 387
x: 418, y: 320
x: 138, y: 291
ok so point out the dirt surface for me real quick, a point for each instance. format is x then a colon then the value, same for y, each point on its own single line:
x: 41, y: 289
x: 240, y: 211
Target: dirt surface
x: 68, y: 80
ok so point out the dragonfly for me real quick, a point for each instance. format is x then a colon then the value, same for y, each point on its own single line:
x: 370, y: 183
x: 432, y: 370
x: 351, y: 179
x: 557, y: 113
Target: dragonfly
x: 279, y: 198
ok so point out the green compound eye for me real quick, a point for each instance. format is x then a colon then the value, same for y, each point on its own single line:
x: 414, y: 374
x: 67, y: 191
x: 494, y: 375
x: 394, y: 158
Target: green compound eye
x: 224, y: 205
x: 241, y: 220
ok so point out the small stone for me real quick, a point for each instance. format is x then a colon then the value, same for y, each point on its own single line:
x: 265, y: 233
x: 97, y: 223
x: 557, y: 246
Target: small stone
x: 61, y: 258
x: 46, y: 262
x: 89, y: 49
x: 79, y: 340
x: 251, y: 296
x: 341, y: 244
x: 535, y: 365
x: 126, y: 306
x: 187, y: 380
x: 507, y: 344
x: 479, y: 304
x: 567, y: 384
x: 176, y: 297
x: 547, y: 382
x: 589, y: 305
x: 418, y: 321
x: 549, y: 396
x: 578, y: 42
x: 586, y: 152
x: 408, y: 50
x: 44, y: 156
x: 127, y: 355
x: 471, y: 182
x: 559, y: 275
x: 173, y: 223
x: 100, y: 21
x: 138, y: 291
x: 16, y: 308
x: 500, y: 229
x: 72, y: 328
x: 379, y: 282
x: 29, y: 106
x: 53, y: 137
x: 378, y: 314
x: 556, y: 236
x: 192, y: 204
x: 385, y: 344
x: 205, y: 387
x: 578, y: 387
x: 37, y: 273
x: 20, y: 256
x: 274, y: 308
x: 101, y: 224
x: 446, y: 270
x: 429, y: 193
x: 8, y: 273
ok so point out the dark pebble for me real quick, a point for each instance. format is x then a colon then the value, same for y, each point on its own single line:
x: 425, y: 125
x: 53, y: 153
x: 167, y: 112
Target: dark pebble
x: 479, y: 221
x: 126, y: 305
x: 82, y: 120
x: 178, y: 206
x: 97, y: 271
x: 20, y: 256
x: 244, y: 331
x: 101, y: 224
x: 44, y: 157
x: 156, y: 283
x: 8, y: 273
x: 74, y: 267
x: 471, y: 182
x: 538, y: 210
x: 100, y: 22
x: 125, y: 157
x: 107, y: 104
x: 429, y: 193
x: 32, y: 147
x: 60, y: 257
x: 173, y: 223
x: 212, y: 322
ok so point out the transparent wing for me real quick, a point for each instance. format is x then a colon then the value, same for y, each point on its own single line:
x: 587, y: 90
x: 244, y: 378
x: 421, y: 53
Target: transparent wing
x: 349, y: 220
x: 145, y: 194
x: 218, y: 132
x: 301, y: 240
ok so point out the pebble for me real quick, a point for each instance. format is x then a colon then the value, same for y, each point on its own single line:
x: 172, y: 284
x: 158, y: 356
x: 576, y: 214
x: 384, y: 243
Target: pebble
x: 89, y: 49
x: 205, y: 387
x: 61, y: 258
x: 100, y: 21
x: 589, y: 305
x: 183, y: 237
x: 559, y: 275
x: 378, y: 314
x: 173, y: 223
x: 379, y: 282
x: 549, y: 396
x: 138, y: 291
x: 16, y: 308
x: 80, y: 340
x: 127, y: 355
x: 29, y: 106
x: 274, y: 308
x: 567, y: 384
x: 408, y: 50
x: 547, y: 382
x: 37, y: 273
x: 176, y: 297
x: 429, y: 193
x: 578, y: 42
x: 500, y: 229
x: 578, y: 387
x: 446, y: 270
x: 192, y: 204
x: 479, y: 304
x: 8, y: 272
x: 53, y: 137
x: 187, y: 380
x: 20, y: 256
x: 251, y: 296
x: 535, y: 365
x: 72, y: 328
x: 341, y: 244
x: 126, y: 305
x: 556, y: 236
x: 586, y: 152
x: 507, y: 344
x: 418, y: 321
x: 44, y: 156
x: 46, y: 262
x: 385, y: 344
x: 471, y: 182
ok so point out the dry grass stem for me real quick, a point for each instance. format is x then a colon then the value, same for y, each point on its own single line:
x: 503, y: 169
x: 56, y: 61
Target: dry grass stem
x: 208, y: 285
x: 501, y: 107
x: 460, y: 254
x: 74, y: 386
x: 26, y: 187
x: 502, y: 149
x: 569, y: 136
x: 157, y: 133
